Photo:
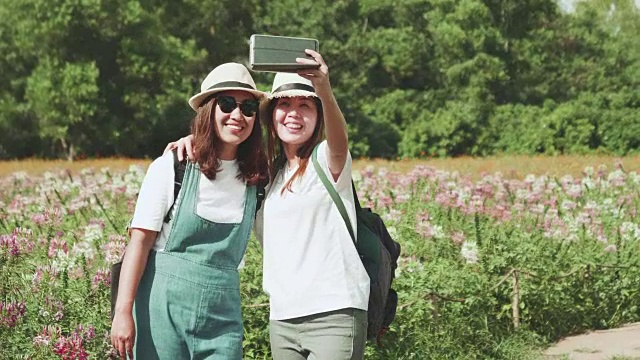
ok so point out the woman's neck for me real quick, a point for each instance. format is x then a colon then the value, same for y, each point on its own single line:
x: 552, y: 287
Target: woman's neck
x: 291, y: 153
x: 227, y: 152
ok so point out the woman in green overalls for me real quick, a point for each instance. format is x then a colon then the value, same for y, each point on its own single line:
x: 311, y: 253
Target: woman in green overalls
x: 179, y: 295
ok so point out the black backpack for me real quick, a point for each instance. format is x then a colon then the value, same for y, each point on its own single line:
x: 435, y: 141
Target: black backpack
x: 379, y: 254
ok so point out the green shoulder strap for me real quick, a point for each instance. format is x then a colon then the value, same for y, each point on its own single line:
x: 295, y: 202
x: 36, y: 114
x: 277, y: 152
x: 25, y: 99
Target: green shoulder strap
x: 332, y: 192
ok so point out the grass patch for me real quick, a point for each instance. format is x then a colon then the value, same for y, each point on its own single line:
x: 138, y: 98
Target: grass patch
x: 38, y: 166
x: 511, y: 166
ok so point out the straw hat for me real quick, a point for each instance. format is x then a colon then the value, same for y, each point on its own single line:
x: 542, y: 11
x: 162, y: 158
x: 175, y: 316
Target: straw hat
x: 228, y: 76
x: 291, y: 84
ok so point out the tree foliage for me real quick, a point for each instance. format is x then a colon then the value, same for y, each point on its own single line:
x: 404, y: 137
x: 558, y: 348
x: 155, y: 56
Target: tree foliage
x: 413, y: 77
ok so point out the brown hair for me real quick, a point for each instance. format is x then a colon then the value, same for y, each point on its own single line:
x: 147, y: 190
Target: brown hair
x: 275, y: 150
x: 251, y: 158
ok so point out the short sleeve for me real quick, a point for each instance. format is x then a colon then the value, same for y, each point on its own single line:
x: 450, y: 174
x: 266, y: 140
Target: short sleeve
x: 344, y: 180
x: 155, y: 196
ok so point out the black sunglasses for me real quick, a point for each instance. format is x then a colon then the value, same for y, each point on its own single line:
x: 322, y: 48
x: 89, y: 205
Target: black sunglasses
x: 228, y: 103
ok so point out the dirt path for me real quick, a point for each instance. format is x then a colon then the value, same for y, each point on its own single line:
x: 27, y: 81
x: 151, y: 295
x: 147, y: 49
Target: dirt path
x: 599, y: 345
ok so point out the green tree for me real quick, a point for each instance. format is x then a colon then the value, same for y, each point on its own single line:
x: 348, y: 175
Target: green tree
x: 63, y: 97
x: 415, y: 77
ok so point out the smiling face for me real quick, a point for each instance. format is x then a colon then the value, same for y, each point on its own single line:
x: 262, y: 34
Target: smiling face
x: 294, y: 119
x: 233, y: 127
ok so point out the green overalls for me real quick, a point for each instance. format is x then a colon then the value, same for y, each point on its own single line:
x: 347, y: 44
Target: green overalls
x: 188, y: 301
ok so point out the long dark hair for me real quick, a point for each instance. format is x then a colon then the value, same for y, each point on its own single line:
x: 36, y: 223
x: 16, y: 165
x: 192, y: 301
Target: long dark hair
x: 251, y: 157
x: 275, y: 150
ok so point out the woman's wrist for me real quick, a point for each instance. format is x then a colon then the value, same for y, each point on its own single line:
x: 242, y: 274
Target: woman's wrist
x: 124, y: 308
x: 325, y: 93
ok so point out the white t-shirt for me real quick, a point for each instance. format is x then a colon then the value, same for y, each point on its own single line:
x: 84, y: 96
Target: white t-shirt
x: 220, y: 200
x: 310, y: 262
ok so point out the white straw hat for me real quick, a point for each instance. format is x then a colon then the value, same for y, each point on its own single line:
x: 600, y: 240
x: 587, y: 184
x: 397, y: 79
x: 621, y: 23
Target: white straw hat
x: 291, y: 84
x: 228, y: 76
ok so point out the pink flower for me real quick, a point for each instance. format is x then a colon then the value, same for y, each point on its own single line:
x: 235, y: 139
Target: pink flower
x: 17, y: 206
x: 9, y: 246
x: 19, y: 242
x: 442, y: 199
x: 458, y: 237
x: 37, y: 277
x: 422, y: 172
x: 56, y: 245
x: 574, y: 191
x: 114, y: 249
x: 39, y: 219
x: 424, y: 229
x: 422, y: 217
x: 62, y: 347
x: 385, y: 201
x: 533, y: 197
x: 101, y: 277
x: 71, y: 348
x: 11, y: 312
x: 47, y: 334
x: 88, y: 332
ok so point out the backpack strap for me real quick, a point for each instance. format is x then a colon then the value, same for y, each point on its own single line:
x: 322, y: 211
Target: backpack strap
x: 355, y: 197
x: 333, y: 193
x: 260, y: 194
x: 179, y: 167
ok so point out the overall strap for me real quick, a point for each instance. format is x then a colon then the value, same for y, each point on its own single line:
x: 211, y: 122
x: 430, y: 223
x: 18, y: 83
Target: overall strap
x: 332, y: 192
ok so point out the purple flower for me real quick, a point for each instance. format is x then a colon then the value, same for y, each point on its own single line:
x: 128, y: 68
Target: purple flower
x: 101, y: 277
x: 56, y: 245
x: 71, y: 348
x: 11, y: 312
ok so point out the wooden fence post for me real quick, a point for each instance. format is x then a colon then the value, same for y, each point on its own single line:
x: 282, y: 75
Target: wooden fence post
x: 516, y: 300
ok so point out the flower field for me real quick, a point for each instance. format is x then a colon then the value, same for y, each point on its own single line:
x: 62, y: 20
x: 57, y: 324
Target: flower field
x: 492, y: 267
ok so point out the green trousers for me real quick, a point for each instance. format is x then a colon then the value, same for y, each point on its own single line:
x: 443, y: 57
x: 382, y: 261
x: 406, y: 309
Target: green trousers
x: 334, y: 335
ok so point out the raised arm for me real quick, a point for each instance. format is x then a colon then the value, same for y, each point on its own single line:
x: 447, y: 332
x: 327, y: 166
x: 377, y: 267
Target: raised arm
x: 335, y: 124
